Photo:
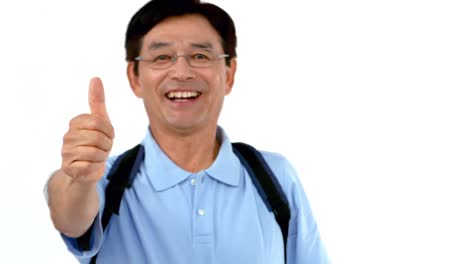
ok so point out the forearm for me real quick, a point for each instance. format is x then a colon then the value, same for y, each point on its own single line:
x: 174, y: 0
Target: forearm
x: 73, y: 205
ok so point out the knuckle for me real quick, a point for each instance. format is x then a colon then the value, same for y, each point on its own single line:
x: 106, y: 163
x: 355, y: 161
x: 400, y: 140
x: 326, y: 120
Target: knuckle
x: 107, y: 144
x: 75, y: 121
x: 68, y: 137
x: 65, y: 152
x: 110, y: 143
x: 98, y: 137
x: 64, y: 155
x: 93, y: 122
x: 100, y: 155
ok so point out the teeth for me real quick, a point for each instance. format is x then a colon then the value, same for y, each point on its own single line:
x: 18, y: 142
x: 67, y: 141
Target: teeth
x: 182, y: 95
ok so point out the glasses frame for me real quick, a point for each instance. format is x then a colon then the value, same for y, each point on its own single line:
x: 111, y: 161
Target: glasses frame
x: 185, y: 56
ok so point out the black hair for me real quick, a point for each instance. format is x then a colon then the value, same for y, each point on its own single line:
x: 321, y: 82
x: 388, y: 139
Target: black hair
x: 155, y: 11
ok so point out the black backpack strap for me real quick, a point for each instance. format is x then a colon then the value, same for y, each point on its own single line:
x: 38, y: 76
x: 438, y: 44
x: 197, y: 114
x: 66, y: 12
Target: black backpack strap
x: 267, y: 185
x: 121, y: 176
x: 126, y: 166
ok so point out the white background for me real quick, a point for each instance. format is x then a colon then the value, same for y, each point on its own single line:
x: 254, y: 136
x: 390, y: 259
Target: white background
x: 367, y: 99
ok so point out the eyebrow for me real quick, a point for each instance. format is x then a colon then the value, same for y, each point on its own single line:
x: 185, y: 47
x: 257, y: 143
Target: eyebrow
x: 158, y: 45
x: 206, y: 46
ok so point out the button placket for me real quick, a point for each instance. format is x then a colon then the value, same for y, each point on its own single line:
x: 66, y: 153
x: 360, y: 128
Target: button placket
x: 201, y: 212
x: 202, y: 216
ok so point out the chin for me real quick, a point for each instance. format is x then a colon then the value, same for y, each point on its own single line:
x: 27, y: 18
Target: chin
x: 186, y: 126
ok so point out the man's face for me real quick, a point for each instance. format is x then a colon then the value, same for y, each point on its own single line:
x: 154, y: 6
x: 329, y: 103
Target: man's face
x: 182, y: 97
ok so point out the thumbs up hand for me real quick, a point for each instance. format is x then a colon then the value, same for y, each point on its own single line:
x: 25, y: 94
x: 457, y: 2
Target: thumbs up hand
x: 88, y: 141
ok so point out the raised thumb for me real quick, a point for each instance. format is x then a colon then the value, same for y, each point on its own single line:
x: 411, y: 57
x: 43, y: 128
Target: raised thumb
x: 96, y: 98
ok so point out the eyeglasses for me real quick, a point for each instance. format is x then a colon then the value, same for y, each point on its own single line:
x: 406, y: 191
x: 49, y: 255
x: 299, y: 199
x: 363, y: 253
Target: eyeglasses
x: 198, y: 59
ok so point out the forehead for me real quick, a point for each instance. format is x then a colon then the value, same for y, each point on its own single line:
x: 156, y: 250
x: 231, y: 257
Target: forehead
x: 183, y: 31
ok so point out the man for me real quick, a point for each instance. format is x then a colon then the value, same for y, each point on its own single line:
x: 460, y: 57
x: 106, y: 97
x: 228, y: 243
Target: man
x: 192, y: 201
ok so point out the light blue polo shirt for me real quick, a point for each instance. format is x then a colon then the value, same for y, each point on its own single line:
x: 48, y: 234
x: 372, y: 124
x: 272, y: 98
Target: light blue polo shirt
x: 215, y: 216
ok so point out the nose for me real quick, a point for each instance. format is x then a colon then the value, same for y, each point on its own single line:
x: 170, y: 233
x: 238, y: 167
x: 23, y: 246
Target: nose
x: 181, y: 69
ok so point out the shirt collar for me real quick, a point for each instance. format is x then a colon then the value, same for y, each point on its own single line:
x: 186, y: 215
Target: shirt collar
x: 226, y: 168
x: 163, y: 173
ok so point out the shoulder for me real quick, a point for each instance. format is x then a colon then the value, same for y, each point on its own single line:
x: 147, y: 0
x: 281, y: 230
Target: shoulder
x: 282, y: 168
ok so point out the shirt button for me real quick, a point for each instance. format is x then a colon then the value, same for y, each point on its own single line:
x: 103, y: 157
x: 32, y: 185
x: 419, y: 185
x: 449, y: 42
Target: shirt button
x: 201, y: 212
x: 193, y: 181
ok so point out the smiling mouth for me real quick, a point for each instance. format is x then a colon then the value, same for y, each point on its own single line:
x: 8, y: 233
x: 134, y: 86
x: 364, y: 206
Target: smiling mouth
x: 183, y: 96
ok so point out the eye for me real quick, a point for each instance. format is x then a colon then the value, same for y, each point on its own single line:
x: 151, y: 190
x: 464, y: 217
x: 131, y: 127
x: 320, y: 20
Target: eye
x: 200, y: 57
x: 162, y: 59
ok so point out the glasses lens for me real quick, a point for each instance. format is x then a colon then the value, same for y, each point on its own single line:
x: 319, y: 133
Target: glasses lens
x: 195, y: 58
x: 162, y: 61
x: 201, y: 59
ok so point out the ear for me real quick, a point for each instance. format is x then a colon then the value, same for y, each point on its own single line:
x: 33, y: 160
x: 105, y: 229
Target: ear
x: 230, y: 75
x: 133, y: 80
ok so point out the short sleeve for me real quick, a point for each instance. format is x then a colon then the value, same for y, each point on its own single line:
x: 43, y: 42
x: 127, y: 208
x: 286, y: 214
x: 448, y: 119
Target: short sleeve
x: 304, y: 244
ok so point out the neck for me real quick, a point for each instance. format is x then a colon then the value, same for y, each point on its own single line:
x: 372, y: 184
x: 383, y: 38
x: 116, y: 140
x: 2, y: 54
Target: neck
x: 192, y: 151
